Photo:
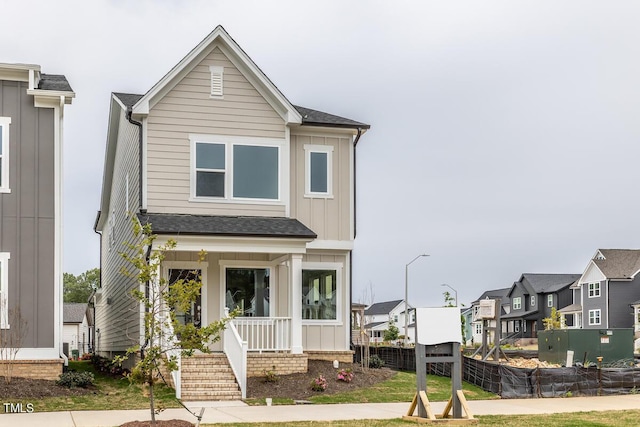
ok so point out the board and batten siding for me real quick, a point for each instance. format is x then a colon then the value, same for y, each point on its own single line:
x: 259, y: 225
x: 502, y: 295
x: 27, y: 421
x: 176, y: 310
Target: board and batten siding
x: 27, y: 213
x: 117, y: 314
x: 329, y: 218
x: 189, y: 109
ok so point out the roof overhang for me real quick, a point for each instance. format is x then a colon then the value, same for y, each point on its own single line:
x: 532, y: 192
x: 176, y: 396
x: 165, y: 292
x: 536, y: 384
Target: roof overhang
x: 220, y: 39
x: 265, y: 245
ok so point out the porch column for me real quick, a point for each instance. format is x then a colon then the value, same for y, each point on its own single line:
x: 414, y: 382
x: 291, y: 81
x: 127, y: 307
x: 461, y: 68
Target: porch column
x: 295, y: 303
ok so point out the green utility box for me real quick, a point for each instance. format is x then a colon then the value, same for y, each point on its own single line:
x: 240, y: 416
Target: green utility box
x: 587, y: 345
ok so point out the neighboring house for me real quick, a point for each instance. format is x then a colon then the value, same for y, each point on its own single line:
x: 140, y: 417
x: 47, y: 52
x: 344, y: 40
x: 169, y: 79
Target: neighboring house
x: 217, y: 158
x: 467, y: 315
x: 476, y: 324
x: 31, y: 122
x: 379, y: 315
x: 532, y: 298
x: 608, y: 290
x: 76, y: 328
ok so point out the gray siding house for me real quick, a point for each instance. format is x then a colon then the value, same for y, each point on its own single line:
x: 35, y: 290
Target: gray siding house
x: 533, y: 297
x: 217, y: 158
x: 607, y: 289
x: 31, y: 115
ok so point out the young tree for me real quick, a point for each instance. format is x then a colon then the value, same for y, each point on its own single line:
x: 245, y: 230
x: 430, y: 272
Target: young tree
x: 554, y: 321
x: 448, y: 299
x: 78, y: 288
x: 165, y: 337
x: 11, y: 341
x: 391, y: 334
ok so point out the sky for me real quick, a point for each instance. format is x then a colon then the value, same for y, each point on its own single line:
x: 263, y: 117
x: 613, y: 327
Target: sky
x: 504, y: 135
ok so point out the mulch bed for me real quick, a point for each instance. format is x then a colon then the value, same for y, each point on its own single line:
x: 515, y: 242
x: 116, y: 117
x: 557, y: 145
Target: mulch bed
x: 28, y: 388
x: 298, y: 386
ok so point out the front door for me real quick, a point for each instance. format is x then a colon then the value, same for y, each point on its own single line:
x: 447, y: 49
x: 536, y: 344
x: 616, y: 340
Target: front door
x: 194, y: 314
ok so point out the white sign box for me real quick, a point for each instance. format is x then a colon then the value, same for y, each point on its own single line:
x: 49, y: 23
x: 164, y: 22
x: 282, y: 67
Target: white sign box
x: 438, y: 325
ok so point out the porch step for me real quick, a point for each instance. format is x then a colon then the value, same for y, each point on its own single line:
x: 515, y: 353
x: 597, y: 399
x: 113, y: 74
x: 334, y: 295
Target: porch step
x: 208, y: 377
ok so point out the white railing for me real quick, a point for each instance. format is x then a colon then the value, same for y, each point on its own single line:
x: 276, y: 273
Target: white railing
x: 175, y: 375
x: 236, y: 350
x: 265, y: 333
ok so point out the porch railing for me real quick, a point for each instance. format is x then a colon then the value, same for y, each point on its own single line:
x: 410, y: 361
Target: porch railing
x: 265, y: 333
x: 236, y: 350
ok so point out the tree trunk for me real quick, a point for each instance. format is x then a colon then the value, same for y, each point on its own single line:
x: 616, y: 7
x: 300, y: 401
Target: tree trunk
x: 152, y: 403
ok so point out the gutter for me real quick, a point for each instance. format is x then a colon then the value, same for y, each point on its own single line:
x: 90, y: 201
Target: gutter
x: 139, y: 125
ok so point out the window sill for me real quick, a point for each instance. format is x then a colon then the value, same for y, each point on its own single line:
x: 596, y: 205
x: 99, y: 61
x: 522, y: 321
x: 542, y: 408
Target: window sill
x: 318, y: 322
x: 236, y: 201
x: 318, y: 196
x: 5, y: 190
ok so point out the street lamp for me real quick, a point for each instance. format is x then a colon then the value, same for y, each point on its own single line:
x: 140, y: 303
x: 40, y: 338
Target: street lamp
x: 406, y: 298
x: 444, y: 284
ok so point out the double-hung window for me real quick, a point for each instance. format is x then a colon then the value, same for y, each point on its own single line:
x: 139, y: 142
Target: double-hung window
x: 4, y: 154
x: 594, y: 290
x: 517, y: 303
x: 318, y: 171
x: 4, y: 290
x: 594, y: 317
x: 550, y: 300
x: 232, y: 168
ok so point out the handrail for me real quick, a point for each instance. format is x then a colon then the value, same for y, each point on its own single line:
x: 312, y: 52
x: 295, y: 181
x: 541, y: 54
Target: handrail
x: 236, y: 351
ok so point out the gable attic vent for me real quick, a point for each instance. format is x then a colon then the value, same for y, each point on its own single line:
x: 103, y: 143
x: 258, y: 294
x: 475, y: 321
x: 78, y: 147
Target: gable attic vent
x: 216, y: 81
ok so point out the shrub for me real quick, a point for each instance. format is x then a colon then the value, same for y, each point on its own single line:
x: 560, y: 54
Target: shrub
x: 319, y: 384
x: 345, y: 375
x: 73, y: 379
x: 271, y: 376
x: 375, y: 362
x: 108, y: 367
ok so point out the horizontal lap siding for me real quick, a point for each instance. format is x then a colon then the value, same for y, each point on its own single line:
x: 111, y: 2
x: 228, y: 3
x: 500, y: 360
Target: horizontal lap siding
x: 188, y: 109
x: 330, y: 218
x: 119, y: 321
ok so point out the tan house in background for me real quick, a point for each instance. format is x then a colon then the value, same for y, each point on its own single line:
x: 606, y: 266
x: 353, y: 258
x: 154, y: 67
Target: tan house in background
x: 217, y: 158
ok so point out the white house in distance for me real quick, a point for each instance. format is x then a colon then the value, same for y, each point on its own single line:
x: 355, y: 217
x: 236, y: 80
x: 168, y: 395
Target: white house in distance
x: 379, y: 315
x: 76, y: 334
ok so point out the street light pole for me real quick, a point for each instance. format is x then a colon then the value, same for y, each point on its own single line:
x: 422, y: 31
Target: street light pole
x: 406, y: 298
x: 444, y: 284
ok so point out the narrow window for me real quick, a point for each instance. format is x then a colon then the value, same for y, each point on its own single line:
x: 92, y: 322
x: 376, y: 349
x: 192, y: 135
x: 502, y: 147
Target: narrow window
x: 210, y: 169
x: 4, y: 290
x: 549, y: 300
x: 318, y: 173
x: 217, y: 80
x: 4, y: 154
x: 533, y: 301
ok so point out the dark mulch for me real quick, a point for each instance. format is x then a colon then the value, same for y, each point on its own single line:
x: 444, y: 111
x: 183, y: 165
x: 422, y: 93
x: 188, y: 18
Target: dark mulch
x: 165, y: 423
x: 27, y: 388
x: 298, y: 386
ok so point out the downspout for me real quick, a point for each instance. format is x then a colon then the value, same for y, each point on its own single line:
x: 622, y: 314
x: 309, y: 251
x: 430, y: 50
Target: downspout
x: 355, y: 143
x: 95, y: 230
x: 139, y: 125
x: 146, y: 294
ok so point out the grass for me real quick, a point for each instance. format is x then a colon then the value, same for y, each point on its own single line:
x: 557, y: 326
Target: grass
x: 400, y: 388
x: 577, y: 419
x: 110, y: 393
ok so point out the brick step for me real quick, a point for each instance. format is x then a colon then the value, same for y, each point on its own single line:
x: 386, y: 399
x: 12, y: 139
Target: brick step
x: 213, y: 386
x: 205, y: 364
x: 205, y: 368
x: 208, y: 379
x: 211, y: 395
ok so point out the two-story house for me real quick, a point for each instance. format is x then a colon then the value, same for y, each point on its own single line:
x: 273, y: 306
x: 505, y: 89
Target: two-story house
x: 378, y: 317
x: 477, y: 323
x: 217, y: 158
x: 607, y: 289
x: 31, y: 117
x: 532, y: 298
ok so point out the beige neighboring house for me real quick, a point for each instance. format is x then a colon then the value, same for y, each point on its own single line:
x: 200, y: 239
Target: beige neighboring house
x: 216, y: 157
x: 76, y: 333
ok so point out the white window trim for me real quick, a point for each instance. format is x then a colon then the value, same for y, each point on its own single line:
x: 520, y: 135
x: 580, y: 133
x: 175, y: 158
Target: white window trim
x: 4, y: 181
x: 4, y: 290
x: 516, y: 326
x: 229, y: 142
x: 203, y: 266
x: 308, y: 149
x: 550, y: 300
x: 217, y: 90
x: 599, y: 316
x: 596, y: 291
x: 533, y: 300
x: 338, y: 267
x: 519, y: 303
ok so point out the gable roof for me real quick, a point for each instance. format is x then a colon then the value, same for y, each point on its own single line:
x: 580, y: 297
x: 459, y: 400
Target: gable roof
x: 226, y: 225
x: 382, y: 307
x: 618, y: 263
x: 55, y: 82
x: 73, y: 312
x: 549, y: 283
x: 494, y: 293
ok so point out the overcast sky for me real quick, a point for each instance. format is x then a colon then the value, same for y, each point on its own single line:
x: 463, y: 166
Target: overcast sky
x: 504, y: 135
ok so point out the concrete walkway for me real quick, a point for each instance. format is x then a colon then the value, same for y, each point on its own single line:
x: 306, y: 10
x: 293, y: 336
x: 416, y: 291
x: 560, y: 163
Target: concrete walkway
x: 237, y: 412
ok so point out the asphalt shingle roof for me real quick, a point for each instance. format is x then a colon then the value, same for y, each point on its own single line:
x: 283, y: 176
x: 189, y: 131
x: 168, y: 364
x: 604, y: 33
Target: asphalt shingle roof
x: 73, y: 312
x: 619, y: 263
x: 495, y: 293
x: 381, y: 307
x: 128, y: 99
x: 549, y: 283
x: 373, y: 325
x: 56, y: 82
x: 226, y: 225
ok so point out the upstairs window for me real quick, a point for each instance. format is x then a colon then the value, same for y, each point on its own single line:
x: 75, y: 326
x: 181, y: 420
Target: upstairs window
x: 4, y: 154
x: 533, y: 300
x: 217, y: 81
x: 318, y: 171
x: 594, y: 290
x: 4, y: 290
x: 550, y: 300
x: 226, y: 169
x: 517, y: 303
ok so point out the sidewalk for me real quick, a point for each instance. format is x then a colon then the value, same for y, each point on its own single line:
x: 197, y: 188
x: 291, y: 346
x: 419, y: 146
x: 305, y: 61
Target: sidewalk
x: 237, y: 412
